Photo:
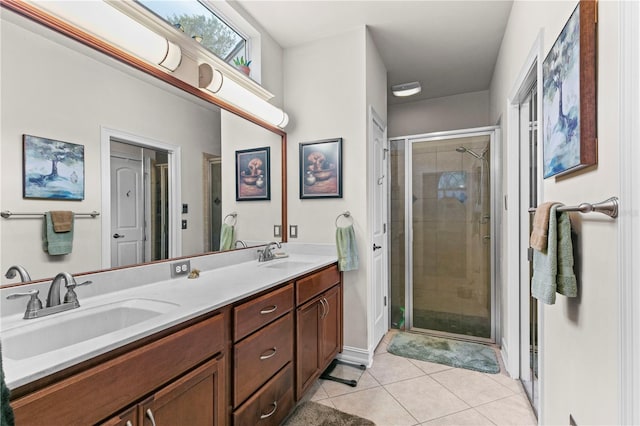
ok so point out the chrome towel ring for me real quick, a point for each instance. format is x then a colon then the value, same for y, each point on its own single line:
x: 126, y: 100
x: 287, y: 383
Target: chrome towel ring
x: 346, y: 214
x: 234, y: 218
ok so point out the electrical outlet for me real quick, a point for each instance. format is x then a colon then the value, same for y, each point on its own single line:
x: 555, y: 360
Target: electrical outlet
x: 181, y: 268
x: 277, y: 231
x: 293, y: 231
x: 184, y: 224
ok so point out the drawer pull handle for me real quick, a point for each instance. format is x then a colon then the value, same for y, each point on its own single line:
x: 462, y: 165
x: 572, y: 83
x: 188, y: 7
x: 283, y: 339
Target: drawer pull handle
x: 273, y: 352
x: 269, y: 310
x: 150, y: 417
x: 324, y: 309
x: 272, y: 412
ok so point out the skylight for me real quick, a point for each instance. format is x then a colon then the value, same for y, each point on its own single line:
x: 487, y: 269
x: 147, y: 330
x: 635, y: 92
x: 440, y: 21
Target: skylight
x: 200, y: 23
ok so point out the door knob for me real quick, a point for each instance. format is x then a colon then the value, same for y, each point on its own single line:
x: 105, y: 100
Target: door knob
x: 118, y: 236
x: 376, y: 247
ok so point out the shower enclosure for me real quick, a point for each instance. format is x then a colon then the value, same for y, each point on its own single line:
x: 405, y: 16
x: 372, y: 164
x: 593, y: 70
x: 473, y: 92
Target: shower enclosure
x: 442, y: 222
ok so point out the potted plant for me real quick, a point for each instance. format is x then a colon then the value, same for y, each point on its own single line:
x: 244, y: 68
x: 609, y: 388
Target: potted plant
x: 242, y: 64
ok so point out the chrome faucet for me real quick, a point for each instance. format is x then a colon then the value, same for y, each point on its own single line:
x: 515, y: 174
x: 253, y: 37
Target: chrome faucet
x: 24, y: 275
x: 267, y: 253
x: 34, y: 306
x: 242, y: 244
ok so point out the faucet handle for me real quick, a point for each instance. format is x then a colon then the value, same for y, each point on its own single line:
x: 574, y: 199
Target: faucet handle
x: 71, y: 296
x: 34, y: 304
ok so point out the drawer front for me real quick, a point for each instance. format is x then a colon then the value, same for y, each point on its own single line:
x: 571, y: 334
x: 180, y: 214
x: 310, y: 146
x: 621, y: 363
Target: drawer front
x: 98, y: 392
x: 258, y: 357
x: 252, y: 315
x: 271, y: 404
x: 314, y: 284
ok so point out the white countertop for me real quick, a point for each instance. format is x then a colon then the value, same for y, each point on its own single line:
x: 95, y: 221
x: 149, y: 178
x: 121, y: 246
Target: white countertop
x: 214, y: 289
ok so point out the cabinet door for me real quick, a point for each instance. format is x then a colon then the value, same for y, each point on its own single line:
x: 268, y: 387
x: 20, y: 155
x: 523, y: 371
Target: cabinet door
x: 196, y: 399
x: 330, y: 326
x: 307, y: 351
x: 126, y: 418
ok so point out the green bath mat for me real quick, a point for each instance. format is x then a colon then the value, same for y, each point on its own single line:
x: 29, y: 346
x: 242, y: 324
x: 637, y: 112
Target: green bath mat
x: 472, y: 356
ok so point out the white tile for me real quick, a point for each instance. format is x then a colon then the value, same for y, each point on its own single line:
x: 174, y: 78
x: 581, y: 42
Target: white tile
x: 514, y: 410
x: 468, y: 417
x: 389, y: 368
x: 472, y: 387
x: 376, y: 405
x: 425, y: 398
x: 429, y: 367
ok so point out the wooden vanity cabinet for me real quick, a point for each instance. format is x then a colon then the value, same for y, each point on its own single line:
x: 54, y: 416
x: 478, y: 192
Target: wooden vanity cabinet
x: 177, y: 370
x: 318, y: 326
x: 263, y: 358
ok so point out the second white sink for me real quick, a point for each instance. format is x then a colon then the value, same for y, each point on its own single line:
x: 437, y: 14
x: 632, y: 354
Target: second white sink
x: 48, y: 334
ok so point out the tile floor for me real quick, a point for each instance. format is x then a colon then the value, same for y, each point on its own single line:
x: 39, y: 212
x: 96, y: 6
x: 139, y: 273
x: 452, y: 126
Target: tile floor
x: 399, y: 391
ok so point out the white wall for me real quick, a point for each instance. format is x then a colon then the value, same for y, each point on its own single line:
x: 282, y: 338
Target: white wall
x: 52, y: 91
x: 324, y: 101
x: 439, y: 114
x: 580, y: 336
x: 255, y: 219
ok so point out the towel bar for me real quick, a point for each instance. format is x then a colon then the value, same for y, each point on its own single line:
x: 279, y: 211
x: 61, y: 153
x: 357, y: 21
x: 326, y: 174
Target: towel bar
x: 346, y: 214
x: 608, y: 207
x: 7, y: 214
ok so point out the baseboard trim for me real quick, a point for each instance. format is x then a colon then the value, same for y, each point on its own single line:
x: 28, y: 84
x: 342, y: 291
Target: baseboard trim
x: 356, y: 356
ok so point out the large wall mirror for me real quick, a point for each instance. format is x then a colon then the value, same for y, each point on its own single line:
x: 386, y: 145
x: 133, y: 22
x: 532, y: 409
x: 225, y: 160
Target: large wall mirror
x: 159, y: 158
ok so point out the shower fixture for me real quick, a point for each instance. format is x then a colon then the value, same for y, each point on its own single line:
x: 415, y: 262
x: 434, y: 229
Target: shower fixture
x: 462, y: 149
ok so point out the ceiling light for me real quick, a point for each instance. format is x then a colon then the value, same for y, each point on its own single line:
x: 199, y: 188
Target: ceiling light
x: 228, y: 90
x: 406, y: 89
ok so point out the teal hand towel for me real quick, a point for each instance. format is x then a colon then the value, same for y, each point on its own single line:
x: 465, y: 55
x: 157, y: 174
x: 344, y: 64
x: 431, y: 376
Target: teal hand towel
x: 566, y: 279
x: 226, y: 237
x: 56, y: 243
x: 6, y: 413
x: 347, y: 248
x: 553, y: 269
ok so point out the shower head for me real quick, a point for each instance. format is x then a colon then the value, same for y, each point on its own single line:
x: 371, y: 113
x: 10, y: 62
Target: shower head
x: 462, y: 149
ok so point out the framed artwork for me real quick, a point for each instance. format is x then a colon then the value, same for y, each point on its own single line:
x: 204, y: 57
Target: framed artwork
x: 569, y: 96
x: 52, y: 169
x: 253, y: 174
x: 321, y: 169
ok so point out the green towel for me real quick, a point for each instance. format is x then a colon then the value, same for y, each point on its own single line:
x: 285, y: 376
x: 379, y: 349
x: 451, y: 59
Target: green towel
x: 226, y: 237
x: 56, y: 243
x: 553, y: 269
x: 347, y: 248
x: 6, y: 413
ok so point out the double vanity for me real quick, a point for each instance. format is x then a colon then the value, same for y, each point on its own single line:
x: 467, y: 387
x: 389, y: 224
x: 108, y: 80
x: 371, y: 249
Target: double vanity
x: 240, y: 344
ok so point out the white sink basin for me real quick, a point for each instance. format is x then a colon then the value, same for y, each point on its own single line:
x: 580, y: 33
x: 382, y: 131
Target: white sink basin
x: 286, y: 264
x: 39, y: 336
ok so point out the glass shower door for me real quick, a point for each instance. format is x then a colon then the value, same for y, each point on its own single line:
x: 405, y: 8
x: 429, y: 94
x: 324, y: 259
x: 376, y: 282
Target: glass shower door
x: 450, y: 216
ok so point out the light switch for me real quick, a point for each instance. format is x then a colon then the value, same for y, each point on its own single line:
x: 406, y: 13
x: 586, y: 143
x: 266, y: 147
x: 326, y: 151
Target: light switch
x: 277, y: 231
x: 293, y: 231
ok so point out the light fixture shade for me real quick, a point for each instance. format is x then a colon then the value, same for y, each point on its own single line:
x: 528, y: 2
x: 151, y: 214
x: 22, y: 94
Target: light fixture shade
x: 230, y: 91
x: 406, y: 89
x: 108, y: 23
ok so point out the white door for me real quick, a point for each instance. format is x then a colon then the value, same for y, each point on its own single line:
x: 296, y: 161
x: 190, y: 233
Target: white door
x: 127, y: 212
x: 379, y: 231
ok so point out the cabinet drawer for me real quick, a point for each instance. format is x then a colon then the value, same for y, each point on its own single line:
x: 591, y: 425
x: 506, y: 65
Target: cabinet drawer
x: 98, y: 392
x: 259, y: 356
x: 271, y: 404
x: 252, y: 315
x: 314, y: 284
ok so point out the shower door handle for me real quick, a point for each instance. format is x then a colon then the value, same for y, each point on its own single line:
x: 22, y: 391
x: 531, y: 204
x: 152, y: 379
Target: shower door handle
x: 376, y: 247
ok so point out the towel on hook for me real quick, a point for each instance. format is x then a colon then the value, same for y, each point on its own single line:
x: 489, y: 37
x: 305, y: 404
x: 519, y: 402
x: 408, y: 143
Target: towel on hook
x: 553, y: 267
x: 539, y: 234
x: 347, y: 248
x: 62, y: 220
x: 226, y: 236
x: 56, y: 243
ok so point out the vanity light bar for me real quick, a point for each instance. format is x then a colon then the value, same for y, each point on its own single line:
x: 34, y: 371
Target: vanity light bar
x: 214, y: 81
x: 106, y: 22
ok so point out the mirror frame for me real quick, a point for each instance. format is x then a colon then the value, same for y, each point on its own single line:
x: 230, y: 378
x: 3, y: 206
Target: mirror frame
x: 41, y: 17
